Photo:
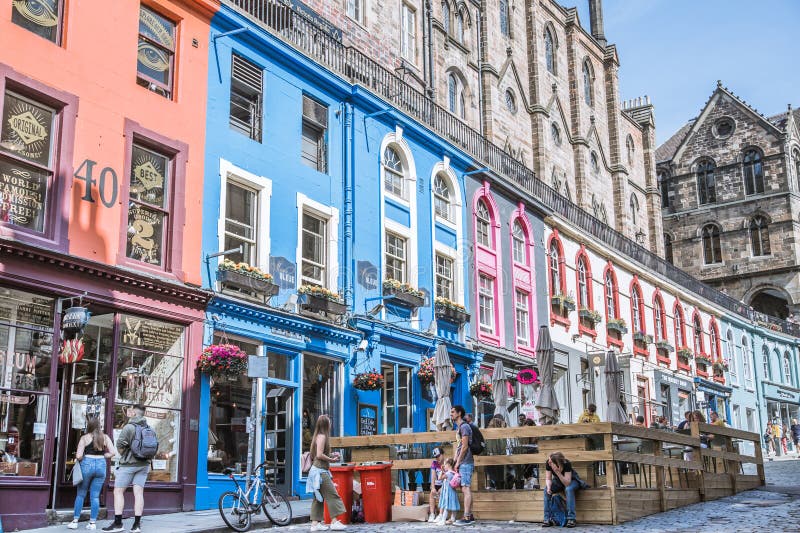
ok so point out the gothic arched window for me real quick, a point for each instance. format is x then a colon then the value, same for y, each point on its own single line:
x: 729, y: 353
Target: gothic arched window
x: 668, y: 248
x: 634, y: 204
x: 664, y: 186
x: 549, y: 51
x: 706, y: 183
x: 505, y: 18
x: 759, y: 235
x: 753, y: 172
x: 446, y: 17
x: 712, y: 252
x: 588, y: 93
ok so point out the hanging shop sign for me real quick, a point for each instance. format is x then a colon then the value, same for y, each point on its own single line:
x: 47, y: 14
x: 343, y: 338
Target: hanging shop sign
x: 367, y: 419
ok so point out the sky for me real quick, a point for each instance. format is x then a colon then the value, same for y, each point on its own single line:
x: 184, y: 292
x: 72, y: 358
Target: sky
x: 674, y: 51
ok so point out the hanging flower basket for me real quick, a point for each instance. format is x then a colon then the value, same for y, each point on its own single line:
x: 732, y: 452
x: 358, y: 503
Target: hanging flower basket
x: 527, y: 376
x: 368, y: 381
x: 427, y: 371
x: 482, y: 390
x: 618, y: 325
x: 403, y: 294
x: 685, y: 352
x: 246, y: 278
x: 223, y: 360
x: 590, y: 315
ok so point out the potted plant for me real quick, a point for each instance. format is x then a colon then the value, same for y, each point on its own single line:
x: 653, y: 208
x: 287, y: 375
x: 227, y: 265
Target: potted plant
x: 451, y: 311
x: 702, y: 360
x: 427, y: 371
x: 563, y: 301
x: 685, y: 352
x: 720, y: 366
x: 368, y: 381
x: 482, y: 390
x: 246, y: 278
x: 590, y: 315
x: 618, y: 325
x: 223, y: 361
x: 642, y: 337
x: 403, y: 294
x: 664, y: 346
x: 318, y: 299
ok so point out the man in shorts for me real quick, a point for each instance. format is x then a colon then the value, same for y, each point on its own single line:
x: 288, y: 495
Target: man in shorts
x: 129, y: 471
x: 465, y: 463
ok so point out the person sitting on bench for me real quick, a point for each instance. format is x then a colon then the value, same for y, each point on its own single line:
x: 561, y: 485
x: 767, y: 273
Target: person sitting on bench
x: 559, y: 477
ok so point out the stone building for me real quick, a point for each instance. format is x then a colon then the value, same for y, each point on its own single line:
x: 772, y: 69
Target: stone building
x: 729, y: 185
x: 531, y: 78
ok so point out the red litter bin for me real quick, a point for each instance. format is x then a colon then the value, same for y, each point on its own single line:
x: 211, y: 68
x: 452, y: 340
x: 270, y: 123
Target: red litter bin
x: 342, y: 478
x: 376, y: 490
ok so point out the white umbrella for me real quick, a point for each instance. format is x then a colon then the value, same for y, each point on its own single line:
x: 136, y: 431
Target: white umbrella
x: 442, y: 371
x: 613, y: 387
x: 547, y: 403
x: 500, y: 390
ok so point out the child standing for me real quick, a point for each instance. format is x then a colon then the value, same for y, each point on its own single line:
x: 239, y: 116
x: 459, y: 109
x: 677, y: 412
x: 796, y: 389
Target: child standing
x: 448, y: 499
x: 436, y: 483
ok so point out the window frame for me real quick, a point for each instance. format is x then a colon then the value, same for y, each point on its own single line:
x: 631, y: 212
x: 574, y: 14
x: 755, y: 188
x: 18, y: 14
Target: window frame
x: 588, y: 82
x: 714, y: 341
x: 733, y: 363
x: 387, y: 170
x: 788, y: 375
x: 669, y: 248
x: 408, y: 36
x: 438, y: 275
x: 659, y: 317
x: 679, y: 325
x: 583, y: 268
x: 322, y: 131
x: 753, y: 172
x: 387, y: 256
x: 712, y: 244
x: 765, y: 361
x: 697, y: 329
x: 550, y: 46
x: 358, y: 13
x: 443, y: 199
x: 456, y: 101
x: 331, y: 215
x: 59, y: 36
x: 758, y: 233
x: 488, y: 295
x: 487, y: 222
x: 521, y: 297
x: 706, y: 182
x: 638, y: 315
x: 140, y: 77
x: 256, y: 123
x: 504, y: 13
x: 747, y: 368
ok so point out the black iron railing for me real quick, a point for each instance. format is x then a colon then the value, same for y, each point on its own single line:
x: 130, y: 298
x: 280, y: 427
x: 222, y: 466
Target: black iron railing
x: 298, y: 30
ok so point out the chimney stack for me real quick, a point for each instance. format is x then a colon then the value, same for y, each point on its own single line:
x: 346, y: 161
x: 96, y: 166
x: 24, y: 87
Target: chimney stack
x: 596, y: 20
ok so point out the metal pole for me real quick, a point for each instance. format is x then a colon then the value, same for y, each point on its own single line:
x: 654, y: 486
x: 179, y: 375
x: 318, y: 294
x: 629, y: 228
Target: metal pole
x: 251, y: 427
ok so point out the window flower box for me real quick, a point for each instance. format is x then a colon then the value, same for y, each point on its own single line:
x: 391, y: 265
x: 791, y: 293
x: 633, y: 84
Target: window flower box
x: 320, y: 299
x: 643, y: 338
x: 664, y: 346
x: 685, y: 352
x: 246, y: 278
x: 451, y: 311
x: 618, y: 325
x: 720, y: 366
x: 590, y: 315
x: 702, y: 360
x: 564, y: 302
x: 403, y: 294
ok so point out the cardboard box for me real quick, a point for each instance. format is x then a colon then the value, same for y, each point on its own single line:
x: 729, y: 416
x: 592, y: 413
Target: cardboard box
x: 406, y: 513
x: 26, y: 469
x: 406, y: 498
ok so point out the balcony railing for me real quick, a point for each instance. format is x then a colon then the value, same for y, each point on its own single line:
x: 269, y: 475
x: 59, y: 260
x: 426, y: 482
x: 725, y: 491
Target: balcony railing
x: 298, y: 30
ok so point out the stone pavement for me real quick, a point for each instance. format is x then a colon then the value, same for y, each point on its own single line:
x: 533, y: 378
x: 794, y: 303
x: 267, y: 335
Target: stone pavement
x: 776, y: 508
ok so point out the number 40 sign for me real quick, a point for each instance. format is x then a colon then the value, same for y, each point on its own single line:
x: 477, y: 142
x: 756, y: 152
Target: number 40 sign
x: 106, y: 182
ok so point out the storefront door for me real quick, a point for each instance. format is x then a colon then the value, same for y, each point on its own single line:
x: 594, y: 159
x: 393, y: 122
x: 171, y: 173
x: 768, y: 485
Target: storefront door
x: 277, y: 436
x: 83, y: 393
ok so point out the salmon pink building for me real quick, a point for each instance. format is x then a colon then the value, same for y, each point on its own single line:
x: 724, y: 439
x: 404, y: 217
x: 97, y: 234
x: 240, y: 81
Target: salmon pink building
x: 101, y: 141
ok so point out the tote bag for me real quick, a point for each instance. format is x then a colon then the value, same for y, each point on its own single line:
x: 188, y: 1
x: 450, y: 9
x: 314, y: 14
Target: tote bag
x: 77, y: 474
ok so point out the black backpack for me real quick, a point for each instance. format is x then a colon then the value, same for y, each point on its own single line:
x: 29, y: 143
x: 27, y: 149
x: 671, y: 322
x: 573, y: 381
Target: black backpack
x: 144, y: 444
x: 477, y: 444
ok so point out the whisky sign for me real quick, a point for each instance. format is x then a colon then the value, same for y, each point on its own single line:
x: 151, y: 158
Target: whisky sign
x: 23, y: 195
x: 29, y: 127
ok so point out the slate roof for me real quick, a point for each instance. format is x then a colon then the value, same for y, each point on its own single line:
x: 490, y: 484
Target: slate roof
x: 668, y: 148
x: 780, y: 119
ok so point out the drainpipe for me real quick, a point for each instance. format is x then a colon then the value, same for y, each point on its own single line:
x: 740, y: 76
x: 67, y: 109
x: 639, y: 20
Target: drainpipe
x: 348, y: 177
x: 478, y: 28
x: 429, y: 12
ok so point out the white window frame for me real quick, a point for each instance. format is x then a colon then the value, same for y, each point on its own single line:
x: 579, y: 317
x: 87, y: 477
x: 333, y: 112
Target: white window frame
x: 787, y: 369
x: 403, y: 259
x: 442, y: 168
x: 746, y: 363
x: 331, y: 214
x: 350, y: 9
x: 490, y: 329
x: 408, y: 39
x: 263, y: 188
x: 733, y: 365
x: 324, y: 238
x: 458, y: 267
x: 519, y: 243
x: 526, y: 298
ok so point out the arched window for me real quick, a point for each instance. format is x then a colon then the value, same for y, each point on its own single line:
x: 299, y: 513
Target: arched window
x: 637, y: 308
x: 505, y: 18
x: 556, y: 267
x: 748, y: 372
x: 712, y: 252
x: 446, y: 17
x: 549, y: 51
x: 787, y: 369
x: 455, y: 96
x: 484, y: 225
x: 664, y: 187
x: 659, y: 318
x: 796, y: 158
x: 753, y: 172
x: 393, y: 173
x: 460, y: 27
x: 765, y: 362
x: 584, y: 273
x: 733, y: 361
x: 519, y: 243
x: 680, y: 329
x: 442, y: 198
x: 611, y: 294
x: 759, y: 235
x: 631, y: 147
x: 555, y: 133
x: 706, y: 183
x: 668, y: 248
x: 713, y: 335
x: 634, y: 205
x: 595, y: 162
x: 699, y: 347
x: 511, y: 103
x: 588, y: 93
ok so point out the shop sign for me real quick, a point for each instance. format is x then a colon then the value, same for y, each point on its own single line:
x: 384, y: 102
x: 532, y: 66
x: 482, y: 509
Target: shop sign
x: 75, y: 319
x: 29, y: 126
x: 367, y: 419
x: 288, y: 334
x: 16, y: 400
x: 529, y: 410
x: 367, y: 275
x: 283, y: 272
x: 674, y: 380
x: 778, y: 393
x: 150, y: 334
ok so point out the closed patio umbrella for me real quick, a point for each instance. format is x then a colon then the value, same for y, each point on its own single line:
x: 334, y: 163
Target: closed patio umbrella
x: 500, y: 390
x: 442, y: 369
x: 613, y: 387
x: 547, y: 402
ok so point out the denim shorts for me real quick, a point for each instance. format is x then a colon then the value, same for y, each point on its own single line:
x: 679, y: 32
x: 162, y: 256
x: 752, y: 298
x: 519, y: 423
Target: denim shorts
x: 465, y: 471
x: 125, y: 476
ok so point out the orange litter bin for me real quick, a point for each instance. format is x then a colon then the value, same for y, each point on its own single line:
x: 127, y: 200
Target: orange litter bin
x: 376, y: 490
x: 342, y: 478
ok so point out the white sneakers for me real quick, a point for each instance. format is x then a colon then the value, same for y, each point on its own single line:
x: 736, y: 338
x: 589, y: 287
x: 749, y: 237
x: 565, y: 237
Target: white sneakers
x: 319, y: 526
x: 73, y: 525
x: 337, y: 526
x: 432, y: 518
x: 91, y: 525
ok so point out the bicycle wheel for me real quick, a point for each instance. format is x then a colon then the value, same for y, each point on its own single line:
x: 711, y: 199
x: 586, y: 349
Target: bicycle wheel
x: 235, y: 510
x: 276, y: 507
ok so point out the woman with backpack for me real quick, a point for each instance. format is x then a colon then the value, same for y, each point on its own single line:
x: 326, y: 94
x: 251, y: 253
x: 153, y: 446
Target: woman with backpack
x: 94, y: 448
x: 319, y: 478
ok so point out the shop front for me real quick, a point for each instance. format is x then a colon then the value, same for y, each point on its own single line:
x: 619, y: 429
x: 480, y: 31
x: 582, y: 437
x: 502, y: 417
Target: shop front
x: 674, y: 396
x: 136, y: 347
x: 306, y: 362
x: 713, y: 397
x: 783, y: 405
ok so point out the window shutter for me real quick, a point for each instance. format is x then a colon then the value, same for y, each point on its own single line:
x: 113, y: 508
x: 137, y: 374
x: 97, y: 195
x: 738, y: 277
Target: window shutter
x: 247, y: 73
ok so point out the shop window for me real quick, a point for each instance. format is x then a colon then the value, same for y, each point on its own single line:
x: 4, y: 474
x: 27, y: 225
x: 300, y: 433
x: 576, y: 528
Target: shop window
x: 150, y: 362
x: 27, y: 162
x: 228, y: 439
x: 397, y: 408
x: 155, y: 66
x: 26, y: 350
x: 320, y: 394
x: 247, y: 90
x: 314, y: 140
x: 445, y: 283
x: 43, y: 17
x: 149, y: 224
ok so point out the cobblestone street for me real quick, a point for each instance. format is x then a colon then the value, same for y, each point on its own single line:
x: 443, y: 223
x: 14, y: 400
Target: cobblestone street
x: 774, y: 508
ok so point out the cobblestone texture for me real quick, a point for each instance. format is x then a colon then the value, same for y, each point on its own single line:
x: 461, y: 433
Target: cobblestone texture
x: 775, y: 508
